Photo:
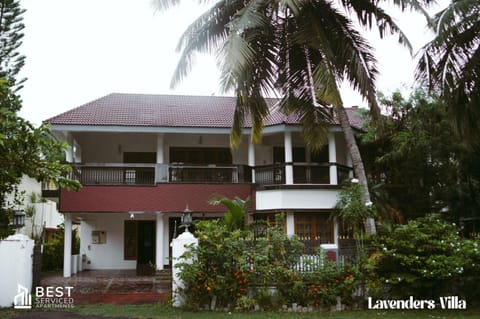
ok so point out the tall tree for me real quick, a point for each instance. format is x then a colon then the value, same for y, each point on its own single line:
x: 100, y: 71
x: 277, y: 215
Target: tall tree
x: 24, y: 149
x: 418, y: 164
x: 300, y: 49
x: 451, y: 63
x: 11, y: 34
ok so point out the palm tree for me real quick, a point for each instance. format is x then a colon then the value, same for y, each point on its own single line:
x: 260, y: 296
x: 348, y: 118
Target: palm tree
x: 298, y: 49
x: 234, y: 217
x: 450, y: 63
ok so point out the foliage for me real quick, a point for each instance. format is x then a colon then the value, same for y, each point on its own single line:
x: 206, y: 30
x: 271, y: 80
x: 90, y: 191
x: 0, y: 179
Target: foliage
x: 450, y: 63
x: 426, y: 258
x: 52, y: 256
x: 351, y: 210
x: 234, y: 217
x: 418, y: 164
x: 24, y: 149
x: 21, y: 150
x: 236, y: 268
x: 11, y: 34
x: 298, y: 50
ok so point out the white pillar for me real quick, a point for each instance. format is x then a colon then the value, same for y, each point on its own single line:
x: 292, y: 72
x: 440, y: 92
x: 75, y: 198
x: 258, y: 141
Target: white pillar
x: 67, y: 246
x: 69, y: 151
x: 159, y: 242
x: 290, y: 224
x: 179, y: 247
x: 160, y: 143
x: 350, y: 164
x: 161, y: 175
x: 288, y: 158
x: 251, y: 158
x: 332, y: 158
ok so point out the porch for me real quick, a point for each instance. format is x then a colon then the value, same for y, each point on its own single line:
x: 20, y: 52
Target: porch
x: 113, y: 286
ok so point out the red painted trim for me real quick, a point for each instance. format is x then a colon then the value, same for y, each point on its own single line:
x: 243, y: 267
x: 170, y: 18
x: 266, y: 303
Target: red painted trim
x: 162, y: 197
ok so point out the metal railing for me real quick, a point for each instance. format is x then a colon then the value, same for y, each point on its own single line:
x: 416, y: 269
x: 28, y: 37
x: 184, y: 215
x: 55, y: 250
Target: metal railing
x: 303, y: 173
x: 150, y: 174
x: 114, y: 174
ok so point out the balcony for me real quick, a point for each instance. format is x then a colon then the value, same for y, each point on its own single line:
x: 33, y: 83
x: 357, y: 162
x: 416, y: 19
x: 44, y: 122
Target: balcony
x: 303, y: 173
x: 150, y: 174
x: 116, y: 174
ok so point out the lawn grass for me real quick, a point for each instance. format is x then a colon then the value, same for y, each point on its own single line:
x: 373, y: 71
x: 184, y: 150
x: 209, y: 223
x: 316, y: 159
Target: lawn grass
x: 163, y: 311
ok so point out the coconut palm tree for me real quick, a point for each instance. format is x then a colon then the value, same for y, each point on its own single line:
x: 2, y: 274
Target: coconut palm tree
x: 297, y: 49
x: 450, y: 63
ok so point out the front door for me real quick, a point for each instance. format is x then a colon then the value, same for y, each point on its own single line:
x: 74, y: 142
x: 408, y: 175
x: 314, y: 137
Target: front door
x: 146, y: 247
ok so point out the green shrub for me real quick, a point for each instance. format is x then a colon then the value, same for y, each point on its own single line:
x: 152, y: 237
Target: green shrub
x: 232, y: 268
x: 52, y: 256
x: 425, y: 258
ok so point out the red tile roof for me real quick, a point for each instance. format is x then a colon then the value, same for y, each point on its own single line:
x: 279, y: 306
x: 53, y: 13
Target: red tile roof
x: 118, y: 109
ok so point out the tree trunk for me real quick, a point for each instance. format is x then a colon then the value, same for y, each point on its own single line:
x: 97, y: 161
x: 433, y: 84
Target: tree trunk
x: 357, y: 162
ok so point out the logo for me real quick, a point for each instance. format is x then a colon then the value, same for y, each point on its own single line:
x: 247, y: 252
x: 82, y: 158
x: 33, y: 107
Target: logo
x: 45, y: 297
x: 22, y: 300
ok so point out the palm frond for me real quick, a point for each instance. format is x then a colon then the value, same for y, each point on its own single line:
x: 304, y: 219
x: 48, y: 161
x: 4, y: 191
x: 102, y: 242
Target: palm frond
x: 451, y: 63
x: 206, y: 34
x: 369, y: 14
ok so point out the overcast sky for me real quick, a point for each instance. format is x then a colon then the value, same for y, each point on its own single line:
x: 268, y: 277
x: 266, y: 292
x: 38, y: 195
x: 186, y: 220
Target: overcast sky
x: 77, y: 51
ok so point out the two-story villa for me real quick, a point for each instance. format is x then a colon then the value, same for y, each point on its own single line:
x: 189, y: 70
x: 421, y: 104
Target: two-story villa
x: 142, y: 159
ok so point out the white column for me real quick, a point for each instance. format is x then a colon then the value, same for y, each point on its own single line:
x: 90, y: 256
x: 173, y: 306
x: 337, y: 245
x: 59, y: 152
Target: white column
x: 161, y: 170
x: 290, y: 224
x: 160, y: 143
x: 350, y: 164
x: 159, y: 242
x: 67, y: 247
x: 166, y: 238
x: 308, y: 159
x: 251, y: 158
x: 288, y: 158
x: 69, y: 151
x: 332, y: 158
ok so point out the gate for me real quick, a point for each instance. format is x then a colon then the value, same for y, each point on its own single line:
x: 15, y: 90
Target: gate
x: 37, y: 266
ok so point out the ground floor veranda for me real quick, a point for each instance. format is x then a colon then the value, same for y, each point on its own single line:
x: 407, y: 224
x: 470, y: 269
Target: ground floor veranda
x: 140, y: 241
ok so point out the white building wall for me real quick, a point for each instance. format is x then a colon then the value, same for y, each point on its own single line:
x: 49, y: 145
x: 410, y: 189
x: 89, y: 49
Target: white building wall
x: 279, y: 199
x: 109, y: 147
x: 45, y: 213
x: 110, y: 254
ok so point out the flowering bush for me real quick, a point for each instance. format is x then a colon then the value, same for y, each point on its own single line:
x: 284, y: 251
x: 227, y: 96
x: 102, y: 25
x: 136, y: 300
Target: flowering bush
x: 234, y: 268
x: 425, y: 258
x: 329, y: 282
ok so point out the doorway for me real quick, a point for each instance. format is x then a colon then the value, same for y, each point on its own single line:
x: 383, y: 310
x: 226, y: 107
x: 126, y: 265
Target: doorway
x: 146, y: 248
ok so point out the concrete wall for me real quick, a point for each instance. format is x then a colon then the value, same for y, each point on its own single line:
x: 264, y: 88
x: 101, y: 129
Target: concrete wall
x: 111, y: 254
x: 296, y: 199
x: 15, y: 267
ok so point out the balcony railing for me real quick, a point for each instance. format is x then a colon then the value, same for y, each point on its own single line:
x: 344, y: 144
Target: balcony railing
x: 150, y: 174
x: 114, y: 174
x: 303, y: 173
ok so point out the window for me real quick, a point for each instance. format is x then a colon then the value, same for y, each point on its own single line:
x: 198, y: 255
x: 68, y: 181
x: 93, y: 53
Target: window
x: 314, y: 226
